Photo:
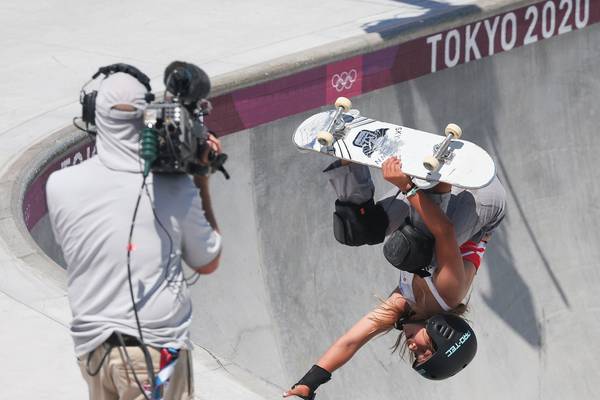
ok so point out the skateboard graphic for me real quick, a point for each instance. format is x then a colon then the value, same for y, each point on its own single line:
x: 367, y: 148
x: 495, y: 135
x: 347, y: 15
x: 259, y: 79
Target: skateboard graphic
x: 345, y: 134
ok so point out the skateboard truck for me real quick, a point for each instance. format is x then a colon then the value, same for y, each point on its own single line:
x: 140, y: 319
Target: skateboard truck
x: 328, y: 150
x: 424, y: 184
x: 325, y: 137
x: 440, y: 151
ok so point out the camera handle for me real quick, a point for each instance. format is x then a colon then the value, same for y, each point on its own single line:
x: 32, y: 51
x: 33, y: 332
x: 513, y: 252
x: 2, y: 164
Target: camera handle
x: 216, y: 163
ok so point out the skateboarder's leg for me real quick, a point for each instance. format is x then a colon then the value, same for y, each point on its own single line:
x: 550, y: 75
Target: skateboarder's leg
x: 477, y: 213
x: 352, y: 183
x: 474, y: 213
x: 398, y: 209
x: 357, y: 220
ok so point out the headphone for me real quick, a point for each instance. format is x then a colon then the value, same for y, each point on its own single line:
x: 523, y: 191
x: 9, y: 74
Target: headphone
x: 88, y: 100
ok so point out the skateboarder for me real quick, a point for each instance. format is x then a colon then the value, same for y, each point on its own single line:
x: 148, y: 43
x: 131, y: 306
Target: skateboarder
x: 436, y: 238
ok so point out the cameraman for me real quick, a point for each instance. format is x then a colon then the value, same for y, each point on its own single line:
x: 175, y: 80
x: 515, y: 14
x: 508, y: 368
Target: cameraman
x: 119, y: 288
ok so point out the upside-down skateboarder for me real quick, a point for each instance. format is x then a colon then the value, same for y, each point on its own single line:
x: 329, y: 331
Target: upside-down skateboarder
x: 436, y: 238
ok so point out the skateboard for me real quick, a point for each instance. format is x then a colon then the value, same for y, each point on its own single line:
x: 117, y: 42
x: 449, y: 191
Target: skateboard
x: 429, y: 158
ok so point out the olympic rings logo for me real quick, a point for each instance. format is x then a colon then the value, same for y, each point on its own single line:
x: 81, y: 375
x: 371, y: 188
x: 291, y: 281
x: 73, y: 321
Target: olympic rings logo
x: 344, y: 80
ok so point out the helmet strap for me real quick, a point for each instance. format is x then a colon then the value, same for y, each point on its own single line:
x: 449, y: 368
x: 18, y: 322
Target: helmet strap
x: 406, y: 318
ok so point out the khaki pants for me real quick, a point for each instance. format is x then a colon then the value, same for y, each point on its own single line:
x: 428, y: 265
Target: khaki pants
x: 115, y: 381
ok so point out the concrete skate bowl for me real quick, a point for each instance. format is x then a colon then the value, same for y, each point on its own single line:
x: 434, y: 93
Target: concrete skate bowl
x: 523, y: 83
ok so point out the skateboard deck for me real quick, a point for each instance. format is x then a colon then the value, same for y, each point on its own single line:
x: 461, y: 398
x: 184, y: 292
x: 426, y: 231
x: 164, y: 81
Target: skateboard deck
x: 345, y: 134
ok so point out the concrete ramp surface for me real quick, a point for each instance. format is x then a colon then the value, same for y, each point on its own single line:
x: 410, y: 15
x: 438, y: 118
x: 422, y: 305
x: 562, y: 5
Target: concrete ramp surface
x: 534, y: 306
x: 526, y: 91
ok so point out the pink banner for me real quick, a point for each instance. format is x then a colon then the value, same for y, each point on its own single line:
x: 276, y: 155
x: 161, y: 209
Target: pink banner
x: 320, y: 86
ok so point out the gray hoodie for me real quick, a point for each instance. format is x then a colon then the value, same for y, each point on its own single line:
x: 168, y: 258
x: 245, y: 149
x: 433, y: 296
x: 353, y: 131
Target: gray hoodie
x: 90, y: 207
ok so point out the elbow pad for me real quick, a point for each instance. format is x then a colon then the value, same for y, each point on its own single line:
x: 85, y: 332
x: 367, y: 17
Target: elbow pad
x: 358, y: 224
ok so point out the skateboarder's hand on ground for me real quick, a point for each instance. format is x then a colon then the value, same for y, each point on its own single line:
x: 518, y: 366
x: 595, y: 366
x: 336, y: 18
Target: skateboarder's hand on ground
x: 392, y: 172
x: 300, y: 391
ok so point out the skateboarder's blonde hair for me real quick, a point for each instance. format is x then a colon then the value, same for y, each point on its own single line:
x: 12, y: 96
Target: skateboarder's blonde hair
x: 387, y: 313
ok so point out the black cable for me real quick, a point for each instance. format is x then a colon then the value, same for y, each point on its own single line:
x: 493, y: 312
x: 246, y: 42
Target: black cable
x: 78, y: 126
x: 144, y: 186
x: 190, y: 280
x: 144, y: 349
x: 81, y: 128
x: 148, y: 359
x: 193, y: 278
x: 392, y: 201
x: 89, y: 358
x: 339, y: 147
x: 347, y: 150
x: 171, y: 145
x: 129, y: 246
x: 168, y: 266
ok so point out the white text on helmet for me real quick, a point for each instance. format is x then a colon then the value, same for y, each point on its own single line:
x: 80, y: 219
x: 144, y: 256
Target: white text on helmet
x: 457, y: 345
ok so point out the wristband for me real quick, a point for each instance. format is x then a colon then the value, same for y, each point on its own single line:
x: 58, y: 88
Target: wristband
x: 412, y: 191
x: 315, y: 377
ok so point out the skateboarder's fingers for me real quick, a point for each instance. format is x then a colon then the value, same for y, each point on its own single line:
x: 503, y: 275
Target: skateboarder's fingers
x: 299, y: 390
x: 394, y: 165
x: 388, y: 160
x: 388, y: 163
x: 386, y: 167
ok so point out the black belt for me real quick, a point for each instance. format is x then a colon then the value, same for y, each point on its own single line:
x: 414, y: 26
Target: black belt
x: 130, y: 341
x: 113, y: 341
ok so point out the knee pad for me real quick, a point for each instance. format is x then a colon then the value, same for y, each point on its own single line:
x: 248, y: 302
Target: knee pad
x: 408, y: 249
x: 355, y: 225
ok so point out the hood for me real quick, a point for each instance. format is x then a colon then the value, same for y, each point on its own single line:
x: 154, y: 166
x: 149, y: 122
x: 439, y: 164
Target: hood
x: 117, y: 141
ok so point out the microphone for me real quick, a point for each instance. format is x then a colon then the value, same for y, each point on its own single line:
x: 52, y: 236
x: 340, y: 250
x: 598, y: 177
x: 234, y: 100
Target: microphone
x: 187, y: 81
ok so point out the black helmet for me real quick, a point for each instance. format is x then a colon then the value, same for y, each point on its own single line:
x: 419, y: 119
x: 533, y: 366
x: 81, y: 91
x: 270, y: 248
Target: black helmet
x: 454, y: 344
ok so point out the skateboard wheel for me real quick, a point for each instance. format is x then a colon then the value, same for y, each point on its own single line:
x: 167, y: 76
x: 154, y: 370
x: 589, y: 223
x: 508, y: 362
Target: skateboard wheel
x: 343, y: 102
x: 454, y: 130
x: 431, y: 163
x: 325, y: 138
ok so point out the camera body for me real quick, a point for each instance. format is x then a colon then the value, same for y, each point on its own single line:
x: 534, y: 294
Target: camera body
x: 173, y: 138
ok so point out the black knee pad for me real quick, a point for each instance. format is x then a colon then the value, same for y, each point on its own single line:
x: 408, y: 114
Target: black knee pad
x: 408, y: 249
x: 355, y: 225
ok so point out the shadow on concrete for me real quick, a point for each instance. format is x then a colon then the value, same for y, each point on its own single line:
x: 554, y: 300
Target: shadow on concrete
x: 525, y: 220
x: 429, y: 103
x: 432, y: 10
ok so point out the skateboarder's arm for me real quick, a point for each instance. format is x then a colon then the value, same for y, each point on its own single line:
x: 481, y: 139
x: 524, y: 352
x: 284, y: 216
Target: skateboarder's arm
x: 451, y: 279
x: 369, y: 326
x: 379, y: 320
